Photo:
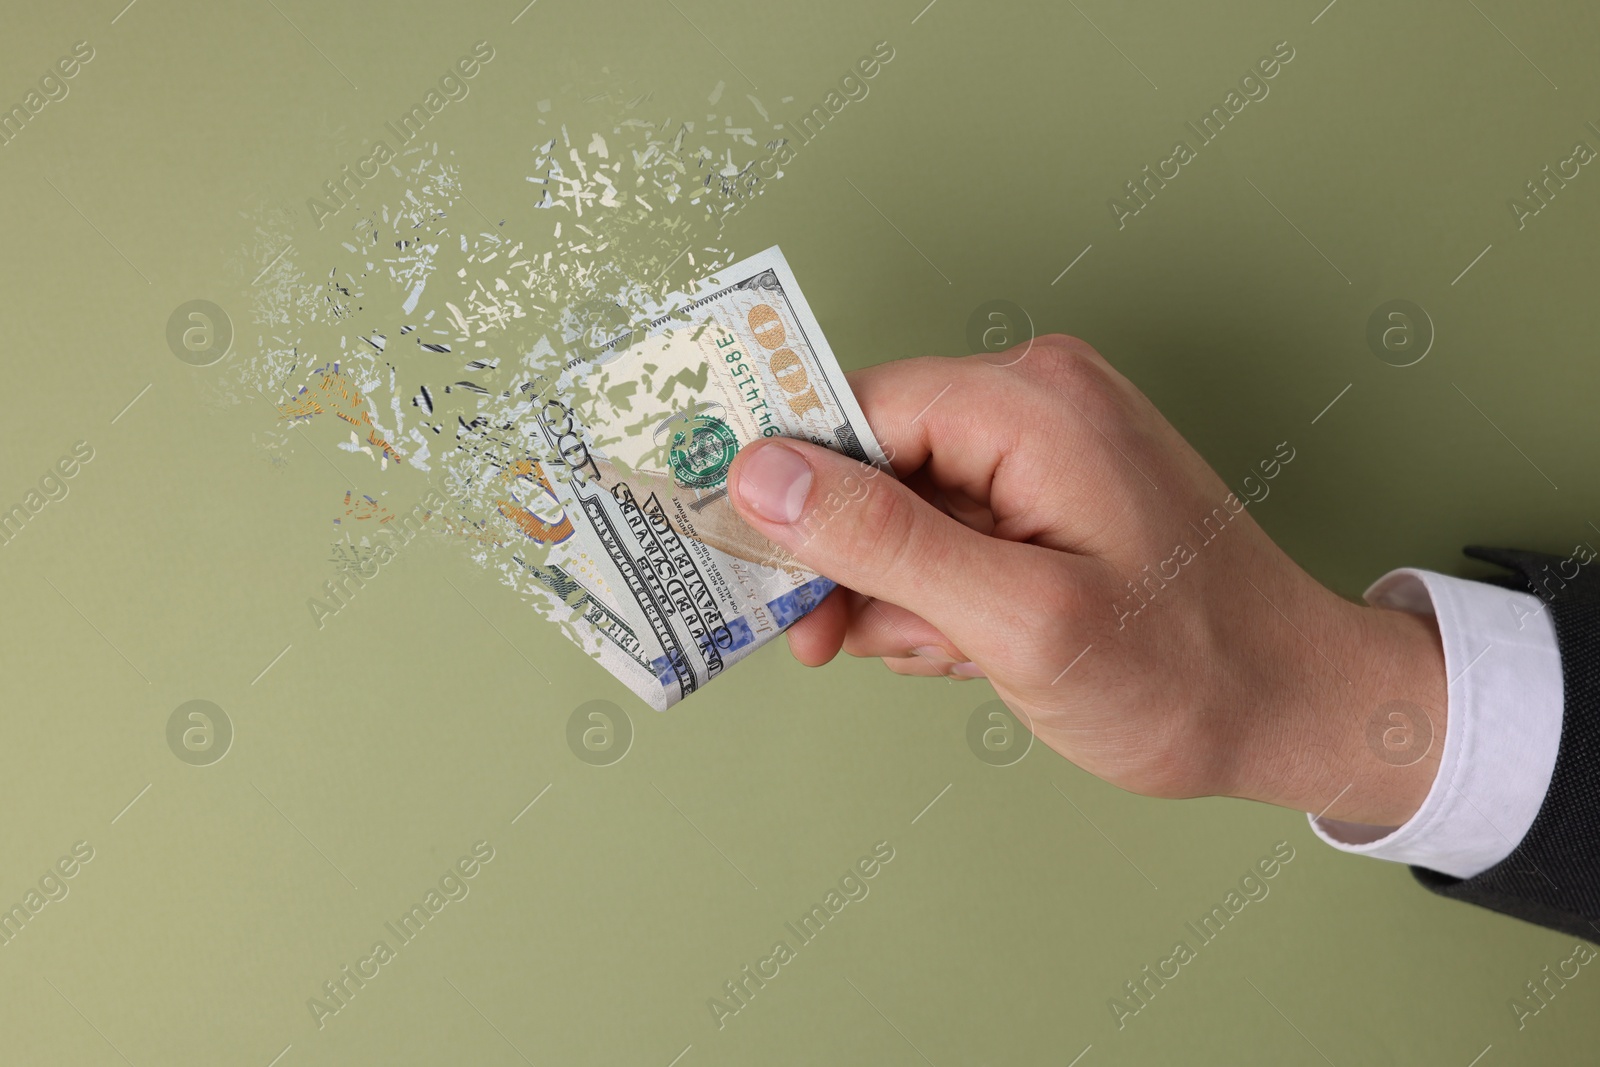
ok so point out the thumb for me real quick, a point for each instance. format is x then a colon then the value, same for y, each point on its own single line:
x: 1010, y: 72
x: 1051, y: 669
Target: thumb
x: 865, y: 530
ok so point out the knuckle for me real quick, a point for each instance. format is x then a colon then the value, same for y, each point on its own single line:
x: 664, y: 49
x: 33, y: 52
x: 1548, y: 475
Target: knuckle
x: 1055, y: 366
x: 1091, y: 402
x: 1072, y: 366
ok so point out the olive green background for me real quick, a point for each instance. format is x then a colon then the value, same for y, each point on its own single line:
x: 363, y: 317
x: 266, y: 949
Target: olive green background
x: 378, y: 749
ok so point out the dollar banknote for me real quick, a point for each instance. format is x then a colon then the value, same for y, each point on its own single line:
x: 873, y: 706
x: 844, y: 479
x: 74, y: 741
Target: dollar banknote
x: 655, y: 574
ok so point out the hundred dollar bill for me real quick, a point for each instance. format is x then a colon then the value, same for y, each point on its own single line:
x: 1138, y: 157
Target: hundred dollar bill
x: 656, y: 575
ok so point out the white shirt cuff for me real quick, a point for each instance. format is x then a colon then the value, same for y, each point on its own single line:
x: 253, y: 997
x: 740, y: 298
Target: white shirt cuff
x: 1505, y: 699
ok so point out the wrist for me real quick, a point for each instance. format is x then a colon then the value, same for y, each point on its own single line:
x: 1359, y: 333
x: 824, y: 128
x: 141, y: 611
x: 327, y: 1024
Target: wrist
x: 1357, y: 731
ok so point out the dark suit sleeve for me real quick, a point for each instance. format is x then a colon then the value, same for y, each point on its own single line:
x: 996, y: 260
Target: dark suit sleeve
x: 1552, y: 877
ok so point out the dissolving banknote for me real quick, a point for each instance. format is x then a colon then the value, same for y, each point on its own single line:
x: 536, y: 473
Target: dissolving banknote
x: 656, y: 575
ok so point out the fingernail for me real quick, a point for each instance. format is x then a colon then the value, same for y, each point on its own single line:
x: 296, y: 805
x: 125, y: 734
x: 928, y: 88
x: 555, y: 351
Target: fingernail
x: 967, y: 670
x: 932, y: 652
x: 774, y: 482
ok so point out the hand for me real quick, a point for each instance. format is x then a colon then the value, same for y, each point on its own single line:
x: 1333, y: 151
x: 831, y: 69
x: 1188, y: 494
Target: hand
x: 1053, y: 533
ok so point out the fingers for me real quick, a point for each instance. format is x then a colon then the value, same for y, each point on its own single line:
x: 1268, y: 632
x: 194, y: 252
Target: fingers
x: 887, y: 631
x: 871, y: 629
x: 924, y: 667
x: 869, y: 532
x: 1054, y: 445
x: 817, y: 637
x: 953, y: 502
x: 915, y: 667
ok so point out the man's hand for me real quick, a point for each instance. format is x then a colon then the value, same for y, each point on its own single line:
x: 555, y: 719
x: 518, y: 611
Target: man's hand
x: 1053, y: 533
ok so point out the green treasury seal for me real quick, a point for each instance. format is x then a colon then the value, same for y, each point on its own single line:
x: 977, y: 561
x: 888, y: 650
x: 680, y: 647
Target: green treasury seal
x: 702, y: 451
